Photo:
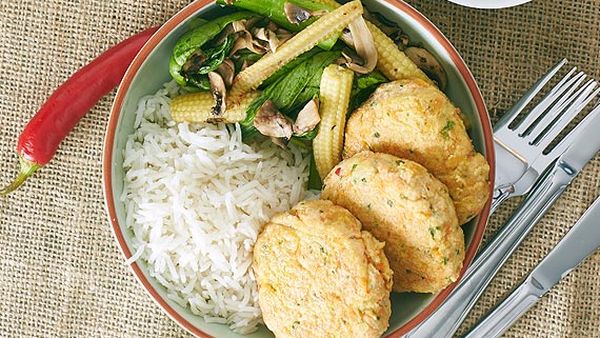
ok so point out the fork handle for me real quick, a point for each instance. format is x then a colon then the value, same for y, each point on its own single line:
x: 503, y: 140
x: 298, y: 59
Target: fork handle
x: 495, y: 323
x: 445, y: 321
x: 501, y: 194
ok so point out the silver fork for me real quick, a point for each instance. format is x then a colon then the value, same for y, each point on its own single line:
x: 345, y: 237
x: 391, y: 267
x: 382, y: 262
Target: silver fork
x: 520, y: 149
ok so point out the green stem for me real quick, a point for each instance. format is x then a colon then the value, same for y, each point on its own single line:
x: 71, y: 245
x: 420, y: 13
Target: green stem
x: 28, y: 168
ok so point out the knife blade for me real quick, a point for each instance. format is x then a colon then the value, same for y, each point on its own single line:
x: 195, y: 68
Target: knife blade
x: 445, y: 321
x: 581, y: 242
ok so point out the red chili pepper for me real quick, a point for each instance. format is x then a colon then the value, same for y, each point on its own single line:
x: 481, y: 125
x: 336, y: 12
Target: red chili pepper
x: 69, y: 103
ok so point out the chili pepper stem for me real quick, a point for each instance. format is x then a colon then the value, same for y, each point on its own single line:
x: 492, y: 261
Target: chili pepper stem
x: 28, y: 168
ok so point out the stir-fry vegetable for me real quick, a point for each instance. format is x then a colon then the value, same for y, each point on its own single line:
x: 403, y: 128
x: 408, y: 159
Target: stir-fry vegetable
x: 276, y: 11
x: 289, y: 88
x: 197, y: 108
x: 278, y: 84
x: 283, y: 71
x: 294, y: 15
x: 325, y: 27
x: 363, y: 87
x: 428, y: 64
x: 291, y: 91
x: 392, y: 62
x: 336, y: 87
x: 243, y: 58
x: 192, y: 42
x: 199, y: 65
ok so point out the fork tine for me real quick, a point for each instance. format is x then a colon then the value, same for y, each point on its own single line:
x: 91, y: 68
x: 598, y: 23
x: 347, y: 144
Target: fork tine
x: 566, y: 142
x: 556, y: 110
x: 587, y: 95
x: 555, y: 94
x: 510, y: 115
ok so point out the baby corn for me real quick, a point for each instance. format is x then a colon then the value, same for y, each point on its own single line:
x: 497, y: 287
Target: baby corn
x: 336, y: 86
x: 392, y: 62
x: 197, y: 108
x: 326, y: 26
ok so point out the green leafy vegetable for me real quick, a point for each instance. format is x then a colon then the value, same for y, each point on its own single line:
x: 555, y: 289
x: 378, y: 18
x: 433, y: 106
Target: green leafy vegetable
x: 216, y: 55
x: 289, y: 67
x: 363, y: 87
x: 242, y: 56
x: 308, y: 136
x: 301, y: 85
x: 191, y: 42
x: 292, y: 91
x: 199, y: 65
x: 314, y: 179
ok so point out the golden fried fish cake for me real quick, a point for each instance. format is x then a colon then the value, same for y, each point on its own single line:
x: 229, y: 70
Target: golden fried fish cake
x: 319, y: 275
x: 413, y: 119
x: 405, y: 206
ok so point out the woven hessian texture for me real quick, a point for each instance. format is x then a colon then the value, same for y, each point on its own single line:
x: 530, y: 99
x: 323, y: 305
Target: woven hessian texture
x: 61, y: 273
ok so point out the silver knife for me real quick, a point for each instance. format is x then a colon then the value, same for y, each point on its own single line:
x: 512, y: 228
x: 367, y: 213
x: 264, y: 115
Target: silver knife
x: 445, y: 321
x: 581, y: 242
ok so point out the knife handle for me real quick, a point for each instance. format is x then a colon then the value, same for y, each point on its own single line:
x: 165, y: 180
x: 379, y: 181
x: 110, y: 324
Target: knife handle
x: 444, y: 322
x: 496, y: 322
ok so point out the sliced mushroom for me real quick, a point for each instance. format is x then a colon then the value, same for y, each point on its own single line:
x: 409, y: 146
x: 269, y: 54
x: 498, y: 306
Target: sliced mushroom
x: 227, y: 71
x: 364, y: 45
x: 238, y: 26
x: 341, y: 61
x: 347, y: 37
x: 232, y: 28
x: 296, y: 14
x: 429, y: 64
x: 350, y: 56
x: 246, y: 41
x: 402, y: 40
x: 269, y: 37
x: 270, y: 122
x: 219, y: 92
x: 260, y: 33
x: 308, y: 118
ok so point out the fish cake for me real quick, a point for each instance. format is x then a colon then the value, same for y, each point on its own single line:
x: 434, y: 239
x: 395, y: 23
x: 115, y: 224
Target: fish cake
x: 404, y: 205
x: 413, y: 119
x: 320, y: 275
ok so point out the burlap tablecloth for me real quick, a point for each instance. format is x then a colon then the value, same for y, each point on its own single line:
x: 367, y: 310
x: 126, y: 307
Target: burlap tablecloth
x: 61, y: 273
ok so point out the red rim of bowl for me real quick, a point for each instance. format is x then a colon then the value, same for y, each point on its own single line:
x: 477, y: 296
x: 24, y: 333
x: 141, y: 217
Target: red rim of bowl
x: 189, y: 11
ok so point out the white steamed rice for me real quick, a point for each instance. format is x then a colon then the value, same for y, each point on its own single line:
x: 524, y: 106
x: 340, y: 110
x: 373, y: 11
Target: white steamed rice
x: 196, y: 197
